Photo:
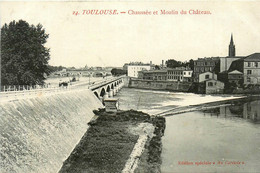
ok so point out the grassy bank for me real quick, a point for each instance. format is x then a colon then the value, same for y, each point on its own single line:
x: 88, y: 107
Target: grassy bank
x: 109, y: 141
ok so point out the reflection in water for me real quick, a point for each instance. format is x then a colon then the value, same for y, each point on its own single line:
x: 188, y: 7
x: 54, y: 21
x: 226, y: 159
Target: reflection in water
x: 215, y: 135
x: 247, y: 110
x: 223, y: 134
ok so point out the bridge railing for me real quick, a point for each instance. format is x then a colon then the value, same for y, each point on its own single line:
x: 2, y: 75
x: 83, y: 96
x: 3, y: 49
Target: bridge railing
x: 15, y: 90
x: 10, y: 88
x: 96, y: 84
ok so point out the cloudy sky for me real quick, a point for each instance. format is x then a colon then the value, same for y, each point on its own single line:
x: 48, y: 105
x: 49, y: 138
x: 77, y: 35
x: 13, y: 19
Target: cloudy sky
x: 98, y: 40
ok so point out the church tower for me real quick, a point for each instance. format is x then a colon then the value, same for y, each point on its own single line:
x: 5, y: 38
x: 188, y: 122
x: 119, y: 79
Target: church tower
x: 232, y: 49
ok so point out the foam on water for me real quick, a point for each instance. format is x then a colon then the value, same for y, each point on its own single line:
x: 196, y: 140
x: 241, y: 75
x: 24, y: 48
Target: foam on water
x: 194, y: 99
x: 38, y: 134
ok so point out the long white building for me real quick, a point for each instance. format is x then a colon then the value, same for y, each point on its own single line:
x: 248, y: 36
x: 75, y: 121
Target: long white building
x: 134, y: 68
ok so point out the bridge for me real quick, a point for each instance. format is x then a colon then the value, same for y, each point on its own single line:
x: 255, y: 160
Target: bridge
x: 107, y: 88
x: 102, y: 89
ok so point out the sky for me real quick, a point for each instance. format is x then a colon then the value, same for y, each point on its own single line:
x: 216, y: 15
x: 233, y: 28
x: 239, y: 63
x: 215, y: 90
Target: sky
x: 112, y: 40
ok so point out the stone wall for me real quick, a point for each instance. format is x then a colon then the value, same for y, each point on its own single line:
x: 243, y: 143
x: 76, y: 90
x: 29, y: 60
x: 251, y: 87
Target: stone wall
x: 160, y: 85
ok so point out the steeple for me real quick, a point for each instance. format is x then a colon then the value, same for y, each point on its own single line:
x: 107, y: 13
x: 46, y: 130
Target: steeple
x: 232, y: 49
x: 231, y: 40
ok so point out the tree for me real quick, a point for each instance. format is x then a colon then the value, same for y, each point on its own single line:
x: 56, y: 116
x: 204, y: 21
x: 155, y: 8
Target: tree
x: 24, y: 56
x: 118, y: 72
x: 191, y: 64
x: 52, y: 69
x: 171, y: 63
x: 156, y: 67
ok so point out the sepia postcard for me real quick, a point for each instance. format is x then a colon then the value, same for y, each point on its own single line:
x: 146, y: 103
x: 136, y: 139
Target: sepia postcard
x: 130, y: 86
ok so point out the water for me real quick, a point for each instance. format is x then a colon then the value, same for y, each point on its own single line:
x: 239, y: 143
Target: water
x: 154, y: 102
x: 39, y: 133
x: 220, y: 135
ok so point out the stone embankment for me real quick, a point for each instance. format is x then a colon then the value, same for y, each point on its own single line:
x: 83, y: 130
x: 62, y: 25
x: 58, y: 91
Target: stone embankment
x: 160, y: 85
x: 39, y: 132
x: 118, y: 142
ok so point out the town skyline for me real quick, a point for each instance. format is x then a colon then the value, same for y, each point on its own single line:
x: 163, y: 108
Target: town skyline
x: 112, y: 41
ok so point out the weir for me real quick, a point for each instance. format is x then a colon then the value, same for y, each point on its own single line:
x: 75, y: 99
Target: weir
x: 38, y: 134
x: 39, y: 129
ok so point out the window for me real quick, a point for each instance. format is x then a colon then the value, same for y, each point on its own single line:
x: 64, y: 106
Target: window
x: 249, y: 64
x: 210, y: 84
x: 184, y: 73
x: 249, y: 71
x: 256, y: 64
x: 207, y: 76
x: 248, y: 79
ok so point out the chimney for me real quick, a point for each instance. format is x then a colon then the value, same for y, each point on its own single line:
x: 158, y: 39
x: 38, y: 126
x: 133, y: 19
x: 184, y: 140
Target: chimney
x: 151, y: 62
x: 162, y: 63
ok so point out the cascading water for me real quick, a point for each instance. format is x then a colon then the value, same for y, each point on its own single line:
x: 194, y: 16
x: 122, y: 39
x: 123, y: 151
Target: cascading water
x: 38, y: 134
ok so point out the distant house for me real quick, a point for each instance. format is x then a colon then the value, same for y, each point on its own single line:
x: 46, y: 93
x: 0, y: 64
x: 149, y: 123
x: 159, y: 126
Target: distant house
x: 158, y: 75
x: 211, y: 86
x: 205, y: 65
x: 252, y: 69
x: 98, y: 74
x: 180, y: 74
x: 134, y: 68
x: 206, y: 76
x: 234, y: 77
x: 217, y: 64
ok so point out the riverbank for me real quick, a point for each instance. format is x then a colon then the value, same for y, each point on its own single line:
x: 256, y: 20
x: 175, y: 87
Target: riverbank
x: 115, y: 142
x: 160, y: 85
x: 190, y: 87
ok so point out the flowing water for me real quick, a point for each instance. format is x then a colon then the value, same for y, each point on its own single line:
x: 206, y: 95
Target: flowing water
x: 38, y: 134
x: 224, y: 139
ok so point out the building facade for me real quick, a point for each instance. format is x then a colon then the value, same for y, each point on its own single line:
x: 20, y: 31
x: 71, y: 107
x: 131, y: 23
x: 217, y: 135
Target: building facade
x: 160, y: 75
x: 179, y: 74
x: 252, y: 69
x: 206, y: 76
x: 235, y: 77
x: 134, y: 68
x: 205, y: 65
x: 211, y: 86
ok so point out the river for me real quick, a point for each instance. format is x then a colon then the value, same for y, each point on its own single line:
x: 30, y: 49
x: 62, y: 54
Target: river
x: 224, y: 139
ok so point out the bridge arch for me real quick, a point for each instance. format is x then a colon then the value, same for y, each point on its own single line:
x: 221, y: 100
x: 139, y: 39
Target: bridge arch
x: 108, y: 88
x: 96, y: 94
x: 103, y: 92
